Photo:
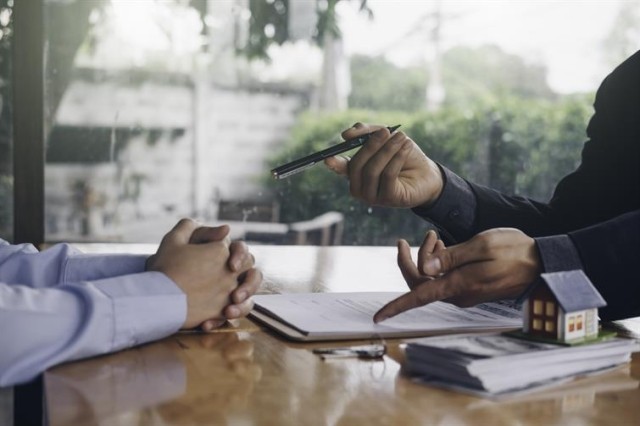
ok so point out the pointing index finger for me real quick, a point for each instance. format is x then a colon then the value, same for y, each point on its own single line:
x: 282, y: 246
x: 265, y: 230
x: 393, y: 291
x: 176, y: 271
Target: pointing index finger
x: 427, y: 292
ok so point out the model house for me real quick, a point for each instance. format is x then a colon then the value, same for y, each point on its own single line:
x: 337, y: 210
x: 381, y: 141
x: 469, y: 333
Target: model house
x: 562, y: 306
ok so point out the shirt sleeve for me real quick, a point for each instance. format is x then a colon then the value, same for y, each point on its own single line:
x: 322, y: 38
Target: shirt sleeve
x: 23, y: 263
x: 52, y: 311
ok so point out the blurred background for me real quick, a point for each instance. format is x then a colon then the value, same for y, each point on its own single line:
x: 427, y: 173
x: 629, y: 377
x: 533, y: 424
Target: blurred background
x: 161, y: 109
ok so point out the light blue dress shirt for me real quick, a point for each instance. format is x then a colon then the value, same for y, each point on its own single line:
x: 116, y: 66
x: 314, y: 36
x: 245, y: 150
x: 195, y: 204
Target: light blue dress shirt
x: 59, y: 305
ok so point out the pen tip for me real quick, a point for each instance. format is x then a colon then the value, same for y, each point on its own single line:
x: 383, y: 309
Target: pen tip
x: 394, y: 128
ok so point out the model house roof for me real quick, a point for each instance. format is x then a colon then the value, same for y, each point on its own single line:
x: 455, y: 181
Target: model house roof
x: 572, y: 289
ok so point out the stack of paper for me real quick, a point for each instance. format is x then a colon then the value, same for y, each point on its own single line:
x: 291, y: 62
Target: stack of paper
x: 340, y: 316
x: 495, y: 364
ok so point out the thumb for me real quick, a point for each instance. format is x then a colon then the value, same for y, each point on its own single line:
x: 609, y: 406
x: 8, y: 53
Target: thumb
x: 207, y: 234
x: 181, y: 233
x: 444, y: 260
x: 337, y: 164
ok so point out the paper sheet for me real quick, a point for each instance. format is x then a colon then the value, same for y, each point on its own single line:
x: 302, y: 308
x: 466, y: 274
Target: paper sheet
x: 353, y: 312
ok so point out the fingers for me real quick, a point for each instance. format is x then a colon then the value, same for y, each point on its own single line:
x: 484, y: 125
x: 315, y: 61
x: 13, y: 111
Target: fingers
x: 423, y: 294
x: 338, y: 164
x: 380, y: 164
x: 357, y: 163
x: 181, y: 232
x: 428, y: 246
x: 241, y: 297
x: 391, y: 172
x: 206, y: 234
x: 359, y: 129
x: 212, y: 324
x: 248, y: 287
x: 407, y: 267
x: 238, y: 311
x: 240, y: 259
x: 443, y: 261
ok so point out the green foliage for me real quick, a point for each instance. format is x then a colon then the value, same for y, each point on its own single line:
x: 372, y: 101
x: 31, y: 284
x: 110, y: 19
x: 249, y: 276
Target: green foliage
x: 487, y: 73
x: 378, y: 84
x: 471, y: 75
x: 269, y: 22
x: 624, y: 35
x: 528, y: 146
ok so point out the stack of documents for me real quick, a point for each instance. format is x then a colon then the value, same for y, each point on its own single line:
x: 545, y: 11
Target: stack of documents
x: 495, y: 364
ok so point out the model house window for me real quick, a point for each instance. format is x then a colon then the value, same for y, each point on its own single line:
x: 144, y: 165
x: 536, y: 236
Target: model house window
x: 579, y: 322
x: 537, y: 307
x: 537, y: 324
x: 572, y: 324
x: 549, y: 326
x: 550, y: 309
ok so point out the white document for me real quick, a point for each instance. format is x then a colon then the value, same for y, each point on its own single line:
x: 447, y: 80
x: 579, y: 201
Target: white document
x: 325, y: 316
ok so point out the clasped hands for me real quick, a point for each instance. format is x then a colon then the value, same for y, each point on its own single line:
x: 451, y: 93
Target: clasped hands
x: 217, y: 275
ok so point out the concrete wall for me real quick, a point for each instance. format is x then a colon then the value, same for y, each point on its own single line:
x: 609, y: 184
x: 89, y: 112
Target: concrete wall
x: 210, y: 143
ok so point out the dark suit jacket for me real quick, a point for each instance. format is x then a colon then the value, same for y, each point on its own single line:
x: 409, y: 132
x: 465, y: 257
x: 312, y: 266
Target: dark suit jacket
x: 607, y: 182
x: 592, y: 204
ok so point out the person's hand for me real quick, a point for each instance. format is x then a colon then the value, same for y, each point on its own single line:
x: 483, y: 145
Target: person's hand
x: 495, y: 264
x: 240, y: 259
x: 200, y: 270
x: 431, y: 244
x: 389, y: 170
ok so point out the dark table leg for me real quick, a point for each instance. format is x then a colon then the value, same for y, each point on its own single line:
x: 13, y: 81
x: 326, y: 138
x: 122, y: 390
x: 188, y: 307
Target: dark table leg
x: 29, y: 404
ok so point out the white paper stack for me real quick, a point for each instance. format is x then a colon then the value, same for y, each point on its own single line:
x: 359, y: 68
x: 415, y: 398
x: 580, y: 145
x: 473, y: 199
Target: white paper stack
x: 495, y: 364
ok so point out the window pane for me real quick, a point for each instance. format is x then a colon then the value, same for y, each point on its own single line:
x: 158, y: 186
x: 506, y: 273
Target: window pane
x: 6, y: 122
x: 160, y: 110
x: 549, y: 326
x: 537, y: 324
x: 550, y: 309
x: 537, y: 307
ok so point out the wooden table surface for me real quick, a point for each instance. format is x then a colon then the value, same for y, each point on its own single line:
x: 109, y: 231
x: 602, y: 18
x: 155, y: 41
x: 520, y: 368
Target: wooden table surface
x: 245, y: 375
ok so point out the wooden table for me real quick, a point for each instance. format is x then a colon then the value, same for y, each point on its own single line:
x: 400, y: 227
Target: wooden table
x: 246, y: 375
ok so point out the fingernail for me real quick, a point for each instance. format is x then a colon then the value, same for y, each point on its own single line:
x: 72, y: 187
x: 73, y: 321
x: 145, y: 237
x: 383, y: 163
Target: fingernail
x: 433, y: 265
x: 242, y: 296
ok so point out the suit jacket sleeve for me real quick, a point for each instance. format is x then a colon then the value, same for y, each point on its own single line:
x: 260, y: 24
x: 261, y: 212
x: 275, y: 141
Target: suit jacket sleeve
x: 605, y: 185
x: 608, y: 253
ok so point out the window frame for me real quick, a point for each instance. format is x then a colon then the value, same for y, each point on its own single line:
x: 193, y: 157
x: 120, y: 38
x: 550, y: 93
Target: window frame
x: 28, y: 122
x: 28, y: 164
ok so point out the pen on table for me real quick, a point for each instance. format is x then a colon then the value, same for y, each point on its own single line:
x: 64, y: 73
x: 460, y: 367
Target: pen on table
x: 304, y: 163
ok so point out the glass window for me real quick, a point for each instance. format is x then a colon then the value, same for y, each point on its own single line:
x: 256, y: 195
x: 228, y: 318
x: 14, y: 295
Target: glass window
x: 537, y: 324
x: 572, y: 323
x: 6, y: 122
x: 579, y: 322
x: 537, y: 307
x: 550, y: 309
x: 549, y: 326
x: 163, y: 109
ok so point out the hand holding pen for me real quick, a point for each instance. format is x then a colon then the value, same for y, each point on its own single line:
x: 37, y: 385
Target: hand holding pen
x: 389, y: 170
x: 304, y: 163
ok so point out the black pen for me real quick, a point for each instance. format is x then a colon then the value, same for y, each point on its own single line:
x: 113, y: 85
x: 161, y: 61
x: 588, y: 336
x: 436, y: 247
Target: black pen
x: 304, y: 163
